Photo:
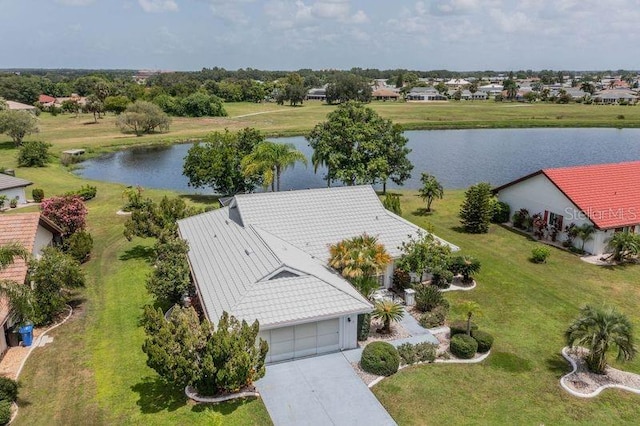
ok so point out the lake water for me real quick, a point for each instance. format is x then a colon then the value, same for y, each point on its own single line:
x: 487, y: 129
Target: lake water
x: 458, y: 158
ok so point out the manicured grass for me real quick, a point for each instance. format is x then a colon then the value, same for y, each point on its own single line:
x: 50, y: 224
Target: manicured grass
x: 526, y: 307
x: 67, y: 131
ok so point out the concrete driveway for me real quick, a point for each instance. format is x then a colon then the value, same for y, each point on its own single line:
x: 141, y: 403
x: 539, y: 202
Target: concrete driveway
x: 322, y: 390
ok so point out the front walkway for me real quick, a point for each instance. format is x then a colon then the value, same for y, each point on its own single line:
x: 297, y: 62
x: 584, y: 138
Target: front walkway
x: 322, y: 390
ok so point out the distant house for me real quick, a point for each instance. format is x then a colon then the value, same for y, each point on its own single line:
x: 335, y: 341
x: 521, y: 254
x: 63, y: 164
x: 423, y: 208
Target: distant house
x: 13, y: 187
x: 606, y: 196
x: 477, y: 96
x: 264, y: 256
x: 34, y: 232
x: 615, y: 96
x: 317, y: 94
x: 425, y: 94
x: 457, y: 82
x: 491, y: 89
x: 18, y: 106
x: 46, y: 100
x: 385, y: 95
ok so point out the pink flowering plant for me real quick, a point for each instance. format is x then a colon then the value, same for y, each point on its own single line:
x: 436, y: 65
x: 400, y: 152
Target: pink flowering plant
x: 68, y: 212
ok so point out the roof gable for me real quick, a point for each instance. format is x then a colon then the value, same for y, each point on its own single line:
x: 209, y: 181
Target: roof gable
x: 10, y: 182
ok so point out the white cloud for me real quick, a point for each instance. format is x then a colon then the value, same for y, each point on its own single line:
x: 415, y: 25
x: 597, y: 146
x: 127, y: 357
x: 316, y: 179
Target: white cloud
x: 153, y: 6
x: 359, y: 17
x: 75, y: 2
x: 331, y: 9
x: 454, y: 6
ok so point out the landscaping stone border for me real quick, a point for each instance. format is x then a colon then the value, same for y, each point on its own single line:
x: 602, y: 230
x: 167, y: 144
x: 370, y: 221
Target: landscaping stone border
x: 455, y: 287
x: 574, y: 368
x: 193, y: 395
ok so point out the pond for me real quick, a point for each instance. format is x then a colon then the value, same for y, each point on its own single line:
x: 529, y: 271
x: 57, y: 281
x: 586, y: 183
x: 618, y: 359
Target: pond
x: 458, y: 158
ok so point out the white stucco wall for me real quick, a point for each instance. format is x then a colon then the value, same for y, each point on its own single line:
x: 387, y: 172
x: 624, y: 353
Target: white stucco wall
x: 13, y: 193
x: 43, y: 239
x: 538, y: 194
x: 349, y: 333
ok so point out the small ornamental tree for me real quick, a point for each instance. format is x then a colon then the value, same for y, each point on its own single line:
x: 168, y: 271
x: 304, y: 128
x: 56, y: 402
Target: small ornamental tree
x: 423, y: 254
x: 430, y: 190
x: 170, y: 278
x: 187, y: 352
x: 68, y: 212
x: 150, y: 219
x: 476, y: 210
x: 18, y: 124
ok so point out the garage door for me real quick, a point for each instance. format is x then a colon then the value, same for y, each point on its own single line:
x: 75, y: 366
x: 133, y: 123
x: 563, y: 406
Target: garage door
x: 302, y: 340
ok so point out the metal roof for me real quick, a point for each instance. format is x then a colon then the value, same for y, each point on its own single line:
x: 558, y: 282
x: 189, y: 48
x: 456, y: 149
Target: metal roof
x: 9, y: 182
x: 264, y: 256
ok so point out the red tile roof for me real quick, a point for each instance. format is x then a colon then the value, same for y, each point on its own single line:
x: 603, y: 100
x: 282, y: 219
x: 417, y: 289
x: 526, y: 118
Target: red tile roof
x: 608, y: 194
x: 46, y: 99
x: 22, y: 229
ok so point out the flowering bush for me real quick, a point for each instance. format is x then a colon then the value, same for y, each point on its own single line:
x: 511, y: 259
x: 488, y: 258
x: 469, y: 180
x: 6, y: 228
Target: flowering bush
x: 68, y: 212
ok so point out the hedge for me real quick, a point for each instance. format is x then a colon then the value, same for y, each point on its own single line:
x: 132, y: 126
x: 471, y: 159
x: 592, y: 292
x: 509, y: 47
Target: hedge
x: 463, y: 346
x: 484, y: 339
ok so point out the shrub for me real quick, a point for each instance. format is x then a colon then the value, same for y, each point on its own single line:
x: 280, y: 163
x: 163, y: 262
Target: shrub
x: 8, y: 389
x: 540, y: 254
x: 37, y: 194
x: 501, y: 212
x: 68, y: 212
x: 392, y: 203
x: 13, y: 203
x: 86, y: 192
x: 484, y: 339
x: 401, y: 279
x: 420, y: 352
x: 463, y: 346
x: 380, y: 358
x: 435, y: 318
x: 521, y: 219
x: 5, y: 412
x: 460, y: 327
x: 79, y: 246
x: 441, y: 278
x: 364, y: 325
x: 428, y: 297
x: 33, y: 154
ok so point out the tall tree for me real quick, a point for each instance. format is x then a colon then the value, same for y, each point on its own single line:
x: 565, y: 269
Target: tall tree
x: 430, y: 190
x: 511, y: 87
x: 143, y: 117
x: 216, y: 162
x: 357, y: 146
x: 94, y: 105
x: 294, y: 89
x: 476, y: 210
x: 599, y: 330
x: 348, y: 87
x: 18, y: 124
x: 270, y: 159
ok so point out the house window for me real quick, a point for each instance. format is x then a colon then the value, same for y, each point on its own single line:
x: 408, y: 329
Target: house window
x: 555, y: 220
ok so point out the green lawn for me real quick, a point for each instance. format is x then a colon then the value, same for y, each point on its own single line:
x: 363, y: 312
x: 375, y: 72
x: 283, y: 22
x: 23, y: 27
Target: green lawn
x: 526, y: 307
x: 95, y: 372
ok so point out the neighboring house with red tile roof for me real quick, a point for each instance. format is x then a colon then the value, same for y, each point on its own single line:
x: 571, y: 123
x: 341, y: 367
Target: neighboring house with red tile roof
x: 34, y: 232
x: 46, y: 100
x: 606, y: 196
x: 12, y: 187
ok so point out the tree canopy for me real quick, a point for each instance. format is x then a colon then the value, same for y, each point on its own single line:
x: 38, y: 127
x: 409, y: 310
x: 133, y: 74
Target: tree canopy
x: 143, y: 117
x: 18, y: 124
x: 216, y: 162
x: 348, y: 87
x: 358, y: 146
x: 270, y: 159
x: 477, y: 209
x: 151, y: 219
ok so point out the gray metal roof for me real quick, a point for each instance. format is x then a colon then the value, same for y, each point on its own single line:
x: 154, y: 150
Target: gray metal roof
x: 314, y: 219
x: 238, y: 269
x: 9, y: 182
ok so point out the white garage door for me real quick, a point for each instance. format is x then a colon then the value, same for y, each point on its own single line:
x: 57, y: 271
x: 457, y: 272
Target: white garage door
x: 302, y: 340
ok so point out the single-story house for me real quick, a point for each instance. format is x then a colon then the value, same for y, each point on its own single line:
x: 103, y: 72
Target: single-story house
x: 606, y: 196
x: 457, y: 82
x: 34, y: 232
x: 476, y: 96
x: 19, y: 106
x: 13, y: 187
x: 491, y: 89
x: 317, y: 94
x: 424, y: 94
x: 615, y: 96
x: 385, y: 95
x: 264, y: 256
x: 46, y: 100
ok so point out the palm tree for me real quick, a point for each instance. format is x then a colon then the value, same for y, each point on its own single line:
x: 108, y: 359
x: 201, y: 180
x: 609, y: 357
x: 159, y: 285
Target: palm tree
x: 430, y: 190
x: 624, y: 246
x: 20, y: 296
x: 9, y: 252
x: 470, y: 309
x: 360, y: 259
x: 387, y: 311
x: 599, y: 330
x: 270, y: 159
x: 584, y: 232
x: 587, y: 87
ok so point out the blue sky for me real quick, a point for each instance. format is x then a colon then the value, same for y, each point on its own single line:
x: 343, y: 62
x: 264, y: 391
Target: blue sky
x: 319, y: 34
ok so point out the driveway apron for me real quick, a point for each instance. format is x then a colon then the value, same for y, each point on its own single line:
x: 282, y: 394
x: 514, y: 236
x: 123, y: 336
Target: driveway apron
x: 322, y: 390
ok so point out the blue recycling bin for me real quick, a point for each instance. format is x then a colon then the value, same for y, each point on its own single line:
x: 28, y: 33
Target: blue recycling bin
x: 26, y: 332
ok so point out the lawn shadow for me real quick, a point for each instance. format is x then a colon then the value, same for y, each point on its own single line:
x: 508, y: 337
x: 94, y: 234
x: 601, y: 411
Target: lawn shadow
x: 138, y: 252
x: 224, y: 408
x: 201, y: 198
x: 459, y: 229
x: 558, y: 365
x: 156, y: 395
x: 422, y: 211
x: 7, y: 145
x: 509, y: 362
